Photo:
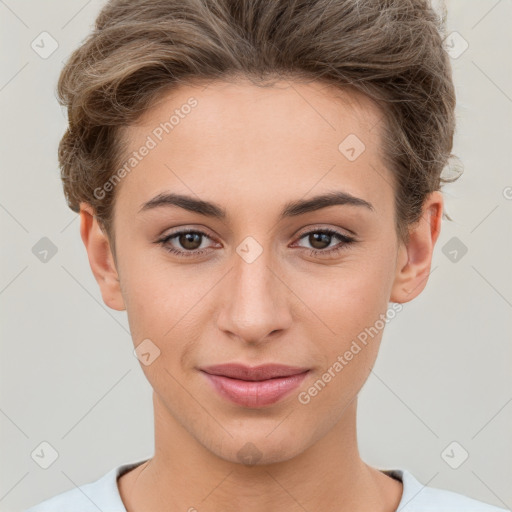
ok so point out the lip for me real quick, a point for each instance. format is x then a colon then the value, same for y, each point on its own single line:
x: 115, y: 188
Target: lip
x: 256, y: 386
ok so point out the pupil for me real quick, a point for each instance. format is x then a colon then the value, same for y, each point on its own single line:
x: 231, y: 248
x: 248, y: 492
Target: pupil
x: 188, y: 242
x: 323, y: 238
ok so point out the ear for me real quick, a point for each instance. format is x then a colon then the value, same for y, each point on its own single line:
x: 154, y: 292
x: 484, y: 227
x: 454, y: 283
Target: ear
x: 415, y: 258
x: 100, y: 258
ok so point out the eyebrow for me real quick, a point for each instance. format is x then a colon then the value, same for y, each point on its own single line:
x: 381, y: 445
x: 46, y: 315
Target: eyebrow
x: 291, y: 209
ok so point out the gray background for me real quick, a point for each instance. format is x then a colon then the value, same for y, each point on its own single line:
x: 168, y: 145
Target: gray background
x: 68, y: 374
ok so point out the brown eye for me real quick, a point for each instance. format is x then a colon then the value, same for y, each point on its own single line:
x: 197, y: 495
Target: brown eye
x: 190, y: 241
x: 186, y: 243
x: 319, y: 240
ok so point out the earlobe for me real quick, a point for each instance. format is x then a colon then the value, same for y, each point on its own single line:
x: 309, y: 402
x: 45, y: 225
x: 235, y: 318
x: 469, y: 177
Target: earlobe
x: 414, y: 259
x: 100, y: 257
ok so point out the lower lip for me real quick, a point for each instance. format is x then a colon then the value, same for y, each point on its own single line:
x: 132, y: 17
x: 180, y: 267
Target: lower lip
x: 255, y: 393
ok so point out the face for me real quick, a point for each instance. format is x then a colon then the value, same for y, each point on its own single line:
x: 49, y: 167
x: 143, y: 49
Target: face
x: 266, y: 273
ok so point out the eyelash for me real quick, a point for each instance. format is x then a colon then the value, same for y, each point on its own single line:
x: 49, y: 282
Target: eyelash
x: 345, y: 241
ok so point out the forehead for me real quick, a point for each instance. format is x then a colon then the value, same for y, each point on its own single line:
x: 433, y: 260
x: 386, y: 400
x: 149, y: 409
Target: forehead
x: 266, y: 144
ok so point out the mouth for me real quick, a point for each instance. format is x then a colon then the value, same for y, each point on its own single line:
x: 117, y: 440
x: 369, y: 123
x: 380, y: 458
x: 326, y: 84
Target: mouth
x: 257, y: 386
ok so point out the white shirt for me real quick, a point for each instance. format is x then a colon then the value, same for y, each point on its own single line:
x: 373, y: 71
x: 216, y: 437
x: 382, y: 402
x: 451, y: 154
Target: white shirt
x: 103, y: 494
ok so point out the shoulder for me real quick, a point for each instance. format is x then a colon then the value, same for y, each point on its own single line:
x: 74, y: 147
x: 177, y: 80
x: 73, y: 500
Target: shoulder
x: 434, y: 498
x: 78, y: 499
x: 102, y: 494
x: 420, y: 498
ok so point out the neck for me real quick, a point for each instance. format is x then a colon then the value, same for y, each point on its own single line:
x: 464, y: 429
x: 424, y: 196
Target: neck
x: 184, y: 475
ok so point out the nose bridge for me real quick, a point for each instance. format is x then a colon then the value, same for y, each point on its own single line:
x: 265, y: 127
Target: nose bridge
x: 255, y: 302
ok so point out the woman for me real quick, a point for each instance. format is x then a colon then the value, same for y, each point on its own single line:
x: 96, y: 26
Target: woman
x: 258, y: 184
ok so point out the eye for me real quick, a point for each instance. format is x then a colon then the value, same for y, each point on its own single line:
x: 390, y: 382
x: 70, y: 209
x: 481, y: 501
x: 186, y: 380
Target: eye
x: 190, y: 240
x: 321, y: 239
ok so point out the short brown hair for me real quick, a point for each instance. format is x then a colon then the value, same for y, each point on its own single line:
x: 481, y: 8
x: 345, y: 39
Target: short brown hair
x: 390, y: 50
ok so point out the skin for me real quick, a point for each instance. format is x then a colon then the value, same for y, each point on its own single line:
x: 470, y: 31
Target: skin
x: 251, y: 150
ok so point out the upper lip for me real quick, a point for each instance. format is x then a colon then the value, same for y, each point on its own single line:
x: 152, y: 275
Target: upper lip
x: 261, y: 372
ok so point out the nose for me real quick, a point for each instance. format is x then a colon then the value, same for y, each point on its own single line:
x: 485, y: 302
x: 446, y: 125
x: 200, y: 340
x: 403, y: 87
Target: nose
x: 254, y: 302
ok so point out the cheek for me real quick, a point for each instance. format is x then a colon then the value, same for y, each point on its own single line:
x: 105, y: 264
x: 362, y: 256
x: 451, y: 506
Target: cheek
x: 353, y: 310
x: 164, y: 302
x: 344, y: 301
x: 163, y: 318
x: 349, y: 305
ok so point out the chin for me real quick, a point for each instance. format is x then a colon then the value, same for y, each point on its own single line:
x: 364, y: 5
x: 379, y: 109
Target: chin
x: 259, y: 449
